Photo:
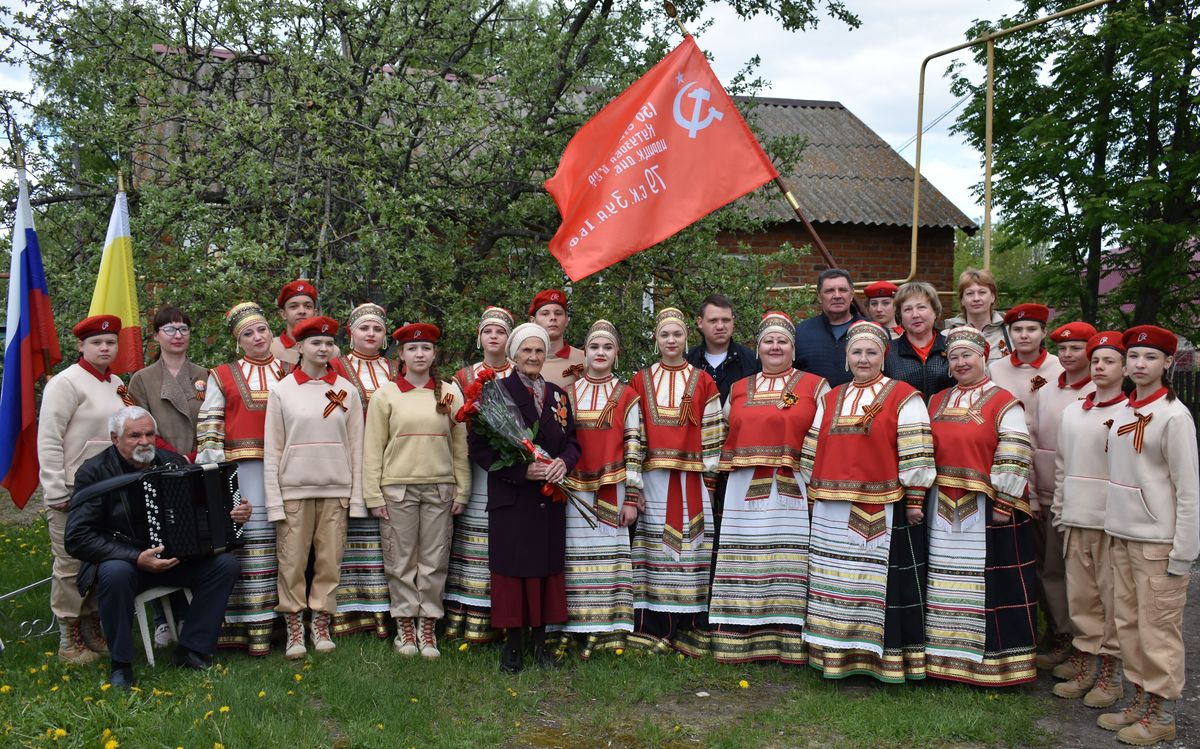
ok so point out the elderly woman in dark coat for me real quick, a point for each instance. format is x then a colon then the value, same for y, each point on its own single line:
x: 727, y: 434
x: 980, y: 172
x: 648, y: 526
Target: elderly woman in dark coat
x: 526, y: 529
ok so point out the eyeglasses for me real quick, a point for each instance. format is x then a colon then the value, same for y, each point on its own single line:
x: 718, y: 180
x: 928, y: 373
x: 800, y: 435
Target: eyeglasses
x: 174, y: 330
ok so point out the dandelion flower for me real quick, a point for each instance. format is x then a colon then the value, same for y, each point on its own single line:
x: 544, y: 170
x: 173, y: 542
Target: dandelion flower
x: 379, y: 726
x: 463, y: 648
x: 111, y: 744
x: 298, y: 677
x: 208, y: 715
x: 59, y: 733
x: 262, y: 693
x: 413, y: 700
x: 107, y: 734
x: 224, y: 709
x: 290, y: 693
x: 54, y: 688
x: 218, y: 745
x: 744, y: 684
x: 620, y: 651
x: 105, y: 687
x: 5, y: 689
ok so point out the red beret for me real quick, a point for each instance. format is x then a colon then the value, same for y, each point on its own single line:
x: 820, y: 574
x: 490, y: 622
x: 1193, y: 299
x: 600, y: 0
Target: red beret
x: 97, y: 325
x: 548, y: 296
x: 1073, y: 331
x: 1031, y: 312
x: 881, y: 289
x: 314, y: 326
x: 1106, y: 339
x: 1151, y: 336
x: 299, y: 287
x: 417, y: 331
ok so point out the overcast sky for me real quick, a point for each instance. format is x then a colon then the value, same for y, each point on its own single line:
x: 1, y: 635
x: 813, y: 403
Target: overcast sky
x: 872, y: 70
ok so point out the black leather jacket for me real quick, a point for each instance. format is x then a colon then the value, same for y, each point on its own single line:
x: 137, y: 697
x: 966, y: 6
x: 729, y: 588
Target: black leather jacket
x: 740, y: 362
x: 930, y: 376
x: 98, y: 525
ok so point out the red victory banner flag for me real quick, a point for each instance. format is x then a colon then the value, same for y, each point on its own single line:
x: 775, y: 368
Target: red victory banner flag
x: 671, y: 149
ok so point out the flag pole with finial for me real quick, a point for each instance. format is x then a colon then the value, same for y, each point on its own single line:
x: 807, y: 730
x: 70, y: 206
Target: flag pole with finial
x: 673, y: 14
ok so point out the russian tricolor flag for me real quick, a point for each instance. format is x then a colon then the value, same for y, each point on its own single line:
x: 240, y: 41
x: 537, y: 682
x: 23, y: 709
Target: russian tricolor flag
x: 30, y: 352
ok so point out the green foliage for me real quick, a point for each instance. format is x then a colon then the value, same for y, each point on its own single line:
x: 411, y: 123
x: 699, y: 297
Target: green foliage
x: 391, y: 152
x: 1097, y: 153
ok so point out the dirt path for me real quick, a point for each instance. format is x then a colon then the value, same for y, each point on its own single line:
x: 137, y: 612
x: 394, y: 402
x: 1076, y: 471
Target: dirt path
x: 1075, y: 725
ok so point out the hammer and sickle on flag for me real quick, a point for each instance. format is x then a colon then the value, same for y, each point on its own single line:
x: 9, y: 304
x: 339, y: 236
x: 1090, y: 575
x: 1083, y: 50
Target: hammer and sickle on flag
x: 671, y: 149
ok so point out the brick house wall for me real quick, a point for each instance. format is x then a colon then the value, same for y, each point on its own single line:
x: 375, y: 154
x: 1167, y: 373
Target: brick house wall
x: 869, y: 252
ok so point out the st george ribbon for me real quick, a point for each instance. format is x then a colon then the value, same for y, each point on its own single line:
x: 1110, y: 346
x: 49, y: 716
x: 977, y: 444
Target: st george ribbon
x: 668, y: 151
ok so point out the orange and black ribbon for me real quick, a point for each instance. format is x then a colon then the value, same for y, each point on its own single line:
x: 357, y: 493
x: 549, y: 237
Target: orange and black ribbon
x: 336, y: 400
x: 123, y: 393
x: 869, y: 414
x: 1138, y: 428
x: 575, y: 370
x: 1036, y: 383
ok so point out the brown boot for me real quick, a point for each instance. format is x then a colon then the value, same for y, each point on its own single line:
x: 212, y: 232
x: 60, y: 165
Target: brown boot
x: 1058, y: 649
x: 1158, y: 724
x: 406, y: 636
x: 1071, y: 666
x: 1128, y: 716
x: 295, y: 649
x: 427, y: 638
x: 93, y: 634
x: 1109, y: 684
x: 71, y: 646
x: 1083, y: 681
x: 321, y: 639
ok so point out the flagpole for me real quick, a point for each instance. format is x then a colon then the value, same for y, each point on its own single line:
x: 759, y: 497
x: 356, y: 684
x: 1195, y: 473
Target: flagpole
x: 673, y: 14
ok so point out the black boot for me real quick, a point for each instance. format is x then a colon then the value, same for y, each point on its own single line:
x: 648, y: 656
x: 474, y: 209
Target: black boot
x: 512, y: 657
x: 543, y: 655
x: 121, y: 676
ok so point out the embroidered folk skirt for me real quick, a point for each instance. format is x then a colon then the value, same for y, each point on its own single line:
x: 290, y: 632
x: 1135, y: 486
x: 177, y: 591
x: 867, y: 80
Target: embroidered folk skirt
x: 250, y: 613
x: 362, y: 592
x: 981, y: 623
x: 468, y: 583
x: 866, y: 598
x: 760, y: 581
x: 599, y: 579
x: 670, y: 589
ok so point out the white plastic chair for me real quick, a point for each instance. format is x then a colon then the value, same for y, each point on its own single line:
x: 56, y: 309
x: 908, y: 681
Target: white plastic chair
x: 139, y: 607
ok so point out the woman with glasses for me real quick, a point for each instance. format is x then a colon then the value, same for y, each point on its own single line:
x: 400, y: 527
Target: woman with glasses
x: 173, y: 387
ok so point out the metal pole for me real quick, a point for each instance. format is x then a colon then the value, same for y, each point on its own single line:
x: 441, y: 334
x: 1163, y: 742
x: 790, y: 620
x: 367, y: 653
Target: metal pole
x: 988, y: 39
x: 987, y: 157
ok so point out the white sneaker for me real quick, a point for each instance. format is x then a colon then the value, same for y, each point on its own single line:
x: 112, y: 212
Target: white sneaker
x: 163, y: 636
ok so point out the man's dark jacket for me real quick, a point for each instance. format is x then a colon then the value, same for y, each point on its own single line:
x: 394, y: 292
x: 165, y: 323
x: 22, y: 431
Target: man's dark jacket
x: 817, y: 351
x: 739, y: 362
x: 99, y: 527
x: 930, y: 377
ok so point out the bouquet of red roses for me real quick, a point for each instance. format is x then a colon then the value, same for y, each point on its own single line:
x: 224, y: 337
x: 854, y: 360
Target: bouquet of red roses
x: 494, y: 416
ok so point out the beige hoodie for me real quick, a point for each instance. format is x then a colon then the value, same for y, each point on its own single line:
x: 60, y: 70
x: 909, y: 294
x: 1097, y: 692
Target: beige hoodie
x: 1154, y: 495
x: 313, y: 446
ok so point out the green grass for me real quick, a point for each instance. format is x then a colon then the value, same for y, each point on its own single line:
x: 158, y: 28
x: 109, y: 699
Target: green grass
x: 365, y: 696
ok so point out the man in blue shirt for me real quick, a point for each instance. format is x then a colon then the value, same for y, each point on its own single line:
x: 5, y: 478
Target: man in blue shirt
x: 821, y: 339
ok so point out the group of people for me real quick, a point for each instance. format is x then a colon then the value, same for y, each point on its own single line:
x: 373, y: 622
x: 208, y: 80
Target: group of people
x: 864, y: 496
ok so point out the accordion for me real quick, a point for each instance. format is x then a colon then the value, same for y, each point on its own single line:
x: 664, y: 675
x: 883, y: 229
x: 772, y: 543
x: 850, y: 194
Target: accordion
x: 185, y: 509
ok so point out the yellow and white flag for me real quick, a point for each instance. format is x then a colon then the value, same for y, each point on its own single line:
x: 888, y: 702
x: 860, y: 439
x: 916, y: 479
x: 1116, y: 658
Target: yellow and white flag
x: 116, y: 289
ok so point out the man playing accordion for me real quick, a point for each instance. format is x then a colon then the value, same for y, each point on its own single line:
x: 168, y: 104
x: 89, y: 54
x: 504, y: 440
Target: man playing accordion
x: 120, y: 562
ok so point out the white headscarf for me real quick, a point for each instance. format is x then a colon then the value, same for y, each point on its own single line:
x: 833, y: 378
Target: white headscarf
x: 523, y: 331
